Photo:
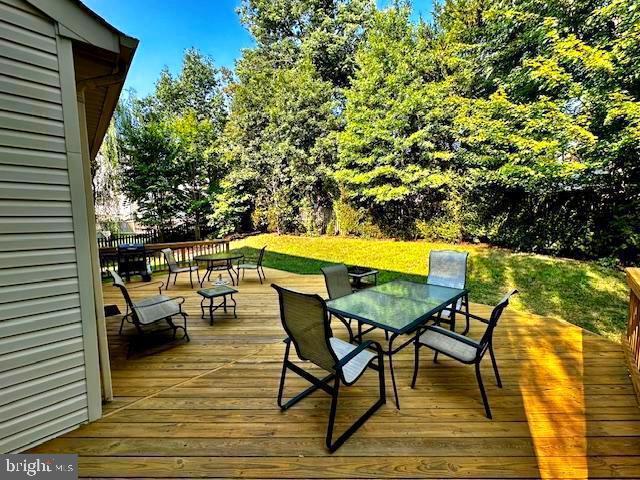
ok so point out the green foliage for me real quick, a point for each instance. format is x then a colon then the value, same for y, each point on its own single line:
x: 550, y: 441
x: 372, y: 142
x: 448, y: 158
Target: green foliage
x: 512, y: 122
x: 170, y: 143
x: 524, y: 112
x: 280, y: 141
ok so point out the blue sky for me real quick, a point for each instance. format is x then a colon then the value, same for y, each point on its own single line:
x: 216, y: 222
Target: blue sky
x: 166, y: 28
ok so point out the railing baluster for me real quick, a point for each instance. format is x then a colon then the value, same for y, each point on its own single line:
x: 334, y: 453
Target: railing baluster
x: 631, y: 340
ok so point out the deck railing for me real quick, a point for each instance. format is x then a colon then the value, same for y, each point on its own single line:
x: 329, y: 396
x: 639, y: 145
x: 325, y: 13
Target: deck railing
x: 182, y: 251
x: 631, y: 340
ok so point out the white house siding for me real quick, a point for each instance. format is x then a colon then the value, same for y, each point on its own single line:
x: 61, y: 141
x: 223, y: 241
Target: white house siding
x: 43, y: 354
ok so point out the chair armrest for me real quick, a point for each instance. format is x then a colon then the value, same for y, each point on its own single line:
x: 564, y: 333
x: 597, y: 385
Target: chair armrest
x: 147, y: 284
x: 450, y: 334
x: 178, y: 300
x: 363, y: 346
x: 476, y: 317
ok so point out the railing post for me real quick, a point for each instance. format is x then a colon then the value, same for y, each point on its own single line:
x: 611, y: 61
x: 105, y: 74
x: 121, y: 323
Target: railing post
x: 631, y: 339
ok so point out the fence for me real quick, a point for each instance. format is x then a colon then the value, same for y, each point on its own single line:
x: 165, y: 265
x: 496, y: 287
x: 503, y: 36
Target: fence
x: 631, y: 340
x: 122, y: 238
x: 168, y: 235
x: 183, y: 251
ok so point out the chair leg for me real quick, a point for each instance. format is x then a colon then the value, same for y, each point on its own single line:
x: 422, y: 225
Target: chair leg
x: 122, y: 324
x: 283, y: 375
x: 495, y: 366
x: 485, y: 400
x: 166, y: 287
x: 333, y: 446
x: 416, y: 362
x: 191, y: 277
x: 175, y: 279
x: 346, y: 323
x: 259, y: 276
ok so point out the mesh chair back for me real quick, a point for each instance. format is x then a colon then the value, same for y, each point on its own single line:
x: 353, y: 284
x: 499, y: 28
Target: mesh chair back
x: 170, y: 259
x: 496, y: 313
x: 261, y: 255
x: 304, y: 318
x: 336, y: 278
x: 447, y: 268
x: 118, y: 282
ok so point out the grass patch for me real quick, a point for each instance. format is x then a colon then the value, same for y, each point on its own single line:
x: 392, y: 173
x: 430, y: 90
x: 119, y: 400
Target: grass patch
x: 583, y: 293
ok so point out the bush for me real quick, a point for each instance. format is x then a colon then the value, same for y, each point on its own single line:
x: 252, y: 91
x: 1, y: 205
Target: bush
x: 439, y: 229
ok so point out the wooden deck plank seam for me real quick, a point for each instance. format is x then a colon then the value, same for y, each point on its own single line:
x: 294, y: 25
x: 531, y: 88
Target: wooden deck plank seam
x: 228, y: 364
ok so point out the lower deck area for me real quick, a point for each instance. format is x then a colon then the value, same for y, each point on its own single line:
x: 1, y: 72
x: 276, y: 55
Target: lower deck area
x: 207, y: 408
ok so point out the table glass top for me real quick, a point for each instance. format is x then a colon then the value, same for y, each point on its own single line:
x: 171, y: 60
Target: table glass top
x: 218, y: 256
x: 216, y: 291
x: 397, y: 306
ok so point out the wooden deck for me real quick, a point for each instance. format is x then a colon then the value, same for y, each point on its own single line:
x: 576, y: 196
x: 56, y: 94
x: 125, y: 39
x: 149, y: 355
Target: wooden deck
x: 207, y: 408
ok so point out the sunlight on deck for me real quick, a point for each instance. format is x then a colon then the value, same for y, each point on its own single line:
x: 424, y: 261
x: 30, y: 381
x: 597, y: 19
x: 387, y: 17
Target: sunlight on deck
x: 555, y: 421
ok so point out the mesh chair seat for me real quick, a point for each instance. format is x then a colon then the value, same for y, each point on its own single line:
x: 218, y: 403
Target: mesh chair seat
x: 354, y: 367
x: 450, y: 346
x: 248, y: 266
x: 155, y: 308
x: 446, y: 313
x: 188, y: 268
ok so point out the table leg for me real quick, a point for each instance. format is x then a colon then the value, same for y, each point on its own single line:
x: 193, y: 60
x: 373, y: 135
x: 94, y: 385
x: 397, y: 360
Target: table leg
x: 234, y: 306
x: 230, y: 272
x: 466, y: 314
x: 393, y: 376
x: 453, y: 316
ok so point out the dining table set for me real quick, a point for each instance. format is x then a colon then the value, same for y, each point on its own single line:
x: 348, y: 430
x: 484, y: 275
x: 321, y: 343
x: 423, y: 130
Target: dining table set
x: 398, y: 308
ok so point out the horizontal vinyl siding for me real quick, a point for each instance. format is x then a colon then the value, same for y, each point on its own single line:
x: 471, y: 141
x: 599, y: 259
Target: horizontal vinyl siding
x: 43, y: 388
x: 45, y: 431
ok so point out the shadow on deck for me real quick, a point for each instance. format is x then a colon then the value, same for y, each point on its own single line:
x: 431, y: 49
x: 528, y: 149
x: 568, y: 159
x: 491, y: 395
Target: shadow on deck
x: 207, y: 408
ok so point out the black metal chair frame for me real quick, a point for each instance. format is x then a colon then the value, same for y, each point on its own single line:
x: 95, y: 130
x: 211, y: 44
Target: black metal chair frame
x: 131, y: 313
x: 259, y: 269
x: 175, y: 274
x: 331, y: 383
x: 485, y: 344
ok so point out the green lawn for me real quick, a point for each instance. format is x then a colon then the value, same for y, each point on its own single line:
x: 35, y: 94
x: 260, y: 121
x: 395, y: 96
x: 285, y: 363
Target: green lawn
x: 583, y: 293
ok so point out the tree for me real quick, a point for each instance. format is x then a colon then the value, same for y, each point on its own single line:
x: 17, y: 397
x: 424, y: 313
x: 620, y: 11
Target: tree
x: 171, y: 145
x: 285, y: 111
x: 397, y: 148
x: 518, y: 120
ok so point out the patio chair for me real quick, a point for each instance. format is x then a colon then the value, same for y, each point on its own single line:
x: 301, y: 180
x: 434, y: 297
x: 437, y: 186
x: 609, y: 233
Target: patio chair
x: 462, y: 348
x: 336, y: 279
x: 255, y: 266
x: 306, y: 321
x: 150, y: 310
x: 175, y: 268
x: 449, y: 269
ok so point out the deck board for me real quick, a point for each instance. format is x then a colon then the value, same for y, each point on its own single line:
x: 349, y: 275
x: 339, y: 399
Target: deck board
x: 207, y: 408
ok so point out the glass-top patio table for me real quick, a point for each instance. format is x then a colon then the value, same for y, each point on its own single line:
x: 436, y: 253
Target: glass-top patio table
x: 398, y: 307
x: 219, y: 262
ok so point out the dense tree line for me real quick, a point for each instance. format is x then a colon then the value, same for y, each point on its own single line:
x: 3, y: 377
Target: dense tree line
x: 514, y: 122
